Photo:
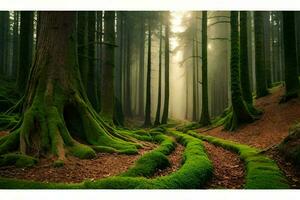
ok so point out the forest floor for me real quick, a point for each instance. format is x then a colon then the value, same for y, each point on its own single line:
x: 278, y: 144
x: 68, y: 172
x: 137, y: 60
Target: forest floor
x: 229, y: 170
x: 265, y: 134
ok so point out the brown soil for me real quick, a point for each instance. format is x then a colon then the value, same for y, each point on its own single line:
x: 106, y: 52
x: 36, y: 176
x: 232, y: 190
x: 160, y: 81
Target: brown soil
x: 75, y: 170
x: 273, y: 126
x: 229, y: 170
x: 290, y: 171
x: 175, y: 159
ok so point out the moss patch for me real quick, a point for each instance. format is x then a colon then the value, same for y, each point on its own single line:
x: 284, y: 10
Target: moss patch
x: 17, y: 159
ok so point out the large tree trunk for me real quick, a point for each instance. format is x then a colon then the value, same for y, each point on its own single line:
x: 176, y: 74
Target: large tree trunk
x: 56, y: 108
x: 26, y: 43
x: 204, y: 120
x: 292, y: 86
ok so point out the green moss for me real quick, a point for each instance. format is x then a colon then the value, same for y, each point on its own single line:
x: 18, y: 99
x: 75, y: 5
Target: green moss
x: 82, y: 151
x: 262, y: 172
x: 148, y: 164
x: 194, y: 173
x: 19, y: 160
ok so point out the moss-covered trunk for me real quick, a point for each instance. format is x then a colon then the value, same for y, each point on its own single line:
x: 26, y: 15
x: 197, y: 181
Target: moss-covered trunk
x: 239, y: 112
x: 56, y: 109
x: 292, y: 86
x: 204, y: 120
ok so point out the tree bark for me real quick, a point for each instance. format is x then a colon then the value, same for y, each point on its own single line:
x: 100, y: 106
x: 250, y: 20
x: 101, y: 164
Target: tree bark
x: 56, y: 107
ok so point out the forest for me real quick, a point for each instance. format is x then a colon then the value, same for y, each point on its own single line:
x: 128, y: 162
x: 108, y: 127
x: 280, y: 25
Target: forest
x: 149, y: 100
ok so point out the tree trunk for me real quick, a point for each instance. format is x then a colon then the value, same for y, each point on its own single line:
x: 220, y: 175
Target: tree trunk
x: 4, y: 34
x: 239, y: 112
x: 141, y: 69
x: 92, y: 78
x: 260, y: 68
x: 107, y: 84
x: 26, y: 42
x: 56, y: 108
x: 292, y: 86
x: 15, y: 60
x: 147, y: 122
x: 205, y: 119
x: 157, y: 118
x: 165, y: 115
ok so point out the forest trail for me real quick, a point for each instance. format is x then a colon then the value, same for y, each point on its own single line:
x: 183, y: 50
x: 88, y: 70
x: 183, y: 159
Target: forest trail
x: 263, y: 134
x: 229, y: 170
x: 273, y: 126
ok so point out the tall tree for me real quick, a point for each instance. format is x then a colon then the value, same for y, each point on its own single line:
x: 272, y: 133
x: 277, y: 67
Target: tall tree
x: 16, y: 40
x: 147, y: 122
x: 165, y: 115
x: 107, y: 84
x: 260, y: 67
x: 26, y: 43
x: 244, y: 64
x: 56, y: 108
x: 157, y: 117
x: 292, y: 86
x: 205, y: 119
x: 239, y: 111
x: 4, y: 33
x: 92, y: 77
x: 142, y: 66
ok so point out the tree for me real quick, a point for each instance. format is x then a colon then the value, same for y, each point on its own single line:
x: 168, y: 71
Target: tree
x: 239, y: 110
x: 157, y: 118
x: 292, y: 86
x: 205, y: 119
x: 107, y: 84
x: 141, y: 66
x: 244, y: 65
x: 260, y: 68
x: 92, y: 77
x: 147, y: 121
x: 4, y: 32
x: 15, y: 61
x: 26, y: 43
x: 165, y: 115
x: 56, y: 108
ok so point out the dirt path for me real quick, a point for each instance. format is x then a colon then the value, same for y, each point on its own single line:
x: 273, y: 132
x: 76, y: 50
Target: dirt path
x: 175, y: 159
x: 76, y: 170
x: 273, y: 126
x: 229, y: 170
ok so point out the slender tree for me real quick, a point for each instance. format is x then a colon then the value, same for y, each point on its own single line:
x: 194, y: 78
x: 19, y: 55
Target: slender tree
x: 205, y: 119
x: 147, y: 122
x: 165, y: 115
x: 16, y: 40
x: 4, y: 33
x: 239, y: 110
x: 141, y: 67
x: 107, y: 84
x: 260, y: 68
x: 244, y: 64
x: 157, y: 118
x: 56, y: 108
x: 292, y: 86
